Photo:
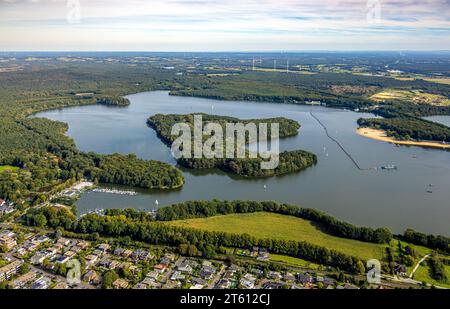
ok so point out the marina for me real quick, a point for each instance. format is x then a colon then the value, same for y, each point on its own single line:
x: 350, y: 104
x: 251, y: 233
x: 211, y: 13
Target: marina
x: 114, y: 191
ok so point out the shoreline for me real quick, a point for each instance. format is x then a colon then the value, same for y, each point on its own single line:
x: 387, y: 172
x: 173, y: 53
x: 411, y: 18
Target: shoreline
x: 380, y: 135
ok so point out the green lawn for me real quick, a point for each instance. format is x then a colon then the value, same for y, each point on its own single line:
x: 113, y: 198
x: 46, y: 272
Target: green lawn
x: 269, y: 225
x: 423, y: 274
x: 4, y: 168
x: 293, y: 261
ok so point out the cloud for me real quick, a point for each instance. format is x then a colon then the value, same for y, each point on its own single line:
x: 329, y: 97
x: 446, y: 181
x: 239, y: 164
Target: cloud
x: 277, y: 25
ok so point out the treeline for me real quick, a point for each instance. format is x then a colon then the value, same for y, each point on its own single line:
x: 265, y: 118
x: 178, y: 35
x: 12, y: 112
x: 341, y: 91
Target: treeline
x: 199, y: 209
x: 289, y: 161
x: 299, y: 88
x: 114, y: 101
x: 438, y: 242
x: 437, y: 269
x: 406, y: 127
x: 160, y: 233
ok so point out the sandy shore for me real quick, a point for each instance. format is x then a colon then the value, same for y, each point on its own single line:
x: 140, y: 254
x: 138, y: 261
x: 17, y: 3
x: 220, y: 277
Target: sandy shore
x: 380, y: 135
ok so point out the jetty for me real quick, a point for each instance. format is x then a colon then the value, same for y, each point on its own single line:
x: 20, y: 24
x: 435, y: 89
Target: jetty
x: 114, y: 191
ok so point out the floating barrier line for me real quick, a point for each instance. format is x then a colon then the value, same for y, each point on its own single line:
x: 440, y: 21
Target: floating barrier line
x: 339, y: 144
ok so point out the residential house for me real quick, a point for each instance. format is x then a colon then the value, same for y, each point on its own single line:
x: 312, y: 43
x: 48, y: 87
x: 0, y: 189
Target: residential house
x: 200, y: 281
x: 257, y: 272
x: 9, y: 270
x: 41, y: 284
x: 21, y: 282
x: 177, y: 275
x: 83, y: 244
x: 126, y: 253
x: 400, y: 270
x: 223, y: 284
x: 91, y: 260
x: 153, y: 275
x: 140, y: 286
x: 91, y: 277
x: 288, y: 277
x: 305, y: 278
x: 120, y: 284
x: 61, y: 286
x: 160, y: 268
x: 274, y: 275
x: 38, y: 258
x: 185, y: 268
x: 103, y: 248
x: 207, y: 272
x: 170, y: 256
x: 272, y: 285
x: 118, y: 251
x: 7, y: 242
x: 247, y: 283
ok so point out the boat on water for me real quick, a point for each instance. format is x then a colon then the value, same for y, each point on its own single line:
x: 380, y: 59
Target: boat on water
x: 389, y: 167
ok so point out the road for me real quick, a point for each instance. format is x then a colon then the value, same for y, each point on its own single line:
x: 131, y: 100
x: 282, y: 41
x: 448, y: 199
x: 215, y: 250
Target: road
x: 418, y: 264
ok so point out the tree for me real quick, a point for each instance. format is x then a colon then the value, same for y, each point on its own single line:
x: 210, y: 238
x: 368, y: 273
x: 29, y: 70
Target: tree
x: 20, y: 238
x: 360, y: 268
x: 24, y: 268
x: 4, y: 248
x: 108, y: 278
x: 192, y: 250
x: 40, y: 220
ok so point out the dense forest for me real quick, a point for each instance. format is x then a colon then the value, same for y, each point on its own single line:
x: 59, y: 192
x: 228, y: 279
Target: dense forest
x: 199, y: 209
x: 131, y: 171
x: 408, y: 127
x: 289, y: 161
x: 46, y: 158
x: 113, y: 101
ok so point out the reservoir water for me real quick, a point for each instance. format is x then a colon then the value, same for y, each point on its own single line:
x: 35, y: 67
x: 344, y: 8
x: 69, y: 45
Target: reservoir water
x: 397, y: 199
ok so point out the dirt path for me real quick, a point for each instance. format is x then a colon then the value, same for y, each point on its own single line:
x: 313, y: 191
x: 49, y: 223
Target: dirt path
x: 418, y: 264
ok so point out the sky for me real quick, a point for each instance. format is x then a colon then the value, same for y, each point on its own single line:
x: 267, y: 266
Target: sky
x: 224, y: 25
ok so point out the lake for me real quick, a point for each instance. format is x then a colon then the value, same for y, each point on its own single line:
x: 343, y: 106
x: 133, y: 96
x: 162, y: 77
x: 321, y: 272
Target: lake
x: 396, y: 199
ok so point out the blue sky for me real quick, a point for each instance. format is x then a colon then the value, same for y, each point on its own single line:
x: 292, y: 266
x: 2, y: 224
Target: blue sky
x: 226, y: 25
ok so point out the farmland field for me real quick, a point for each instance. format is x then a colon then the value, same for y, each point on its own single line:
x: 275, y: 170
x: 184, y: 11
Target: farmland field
x: 412, y: 96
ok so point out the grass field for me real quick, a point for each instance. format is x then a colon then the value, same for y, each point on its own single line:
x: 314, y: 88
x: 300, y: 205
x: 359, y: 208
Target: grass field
x: 4, y: 168
x: 293, y: 261
x: 445, y: 81
x: 423, y: 274
x: 269, y: 225
x: 412, y: 96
